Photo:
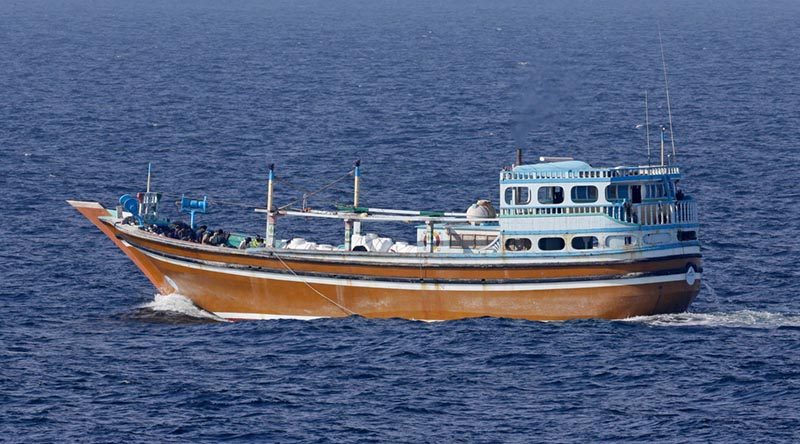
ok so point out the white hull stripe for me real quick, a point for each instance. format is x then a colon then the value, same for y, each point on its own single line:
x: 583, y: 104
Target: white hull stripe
x: 426, y: 286
x: 259, y: 316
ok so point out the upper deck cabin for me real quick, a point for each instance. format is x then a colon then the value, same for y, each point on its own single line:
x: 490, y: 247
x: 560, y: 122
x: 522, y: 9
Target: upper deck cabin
x: 575, y: 187
x: 570, y: 206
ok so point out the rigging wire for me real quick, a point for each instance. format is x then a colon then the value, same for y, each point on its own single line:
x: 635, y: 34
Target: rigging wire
x: 666, y: 88
x: 306, y: 194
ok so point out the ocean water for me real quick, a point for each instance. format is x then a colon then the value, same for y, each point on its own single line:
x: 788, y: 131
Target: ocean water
x: 433, y: 97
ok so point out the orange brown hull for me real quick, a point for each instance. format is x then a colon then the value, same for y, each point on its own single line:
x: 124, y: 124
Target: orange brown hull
x: 236, y: 285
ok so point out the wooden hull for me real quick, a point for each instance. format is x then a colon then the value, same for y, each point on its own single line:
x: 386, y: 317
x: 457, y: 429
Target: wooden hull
x: 281, y: 284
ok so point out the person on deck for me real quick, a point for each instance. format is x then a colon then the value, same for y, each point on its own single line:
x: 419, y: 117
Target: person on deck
x: 257, y: 242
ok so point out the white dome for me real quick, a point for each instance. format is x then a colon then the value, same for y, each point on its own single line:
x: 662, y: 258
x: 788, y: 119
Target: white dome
x: 480, y: 210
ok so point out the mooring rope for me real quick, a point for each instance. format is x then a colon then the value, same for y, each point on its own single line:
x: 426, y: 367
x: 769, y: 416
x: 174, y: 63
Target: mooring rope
x: 341, y: 307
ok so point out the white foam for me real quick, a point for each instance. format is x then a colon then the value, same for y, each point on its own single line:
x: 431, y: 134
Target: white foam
x: 176, y: 303
x: 735, y: 319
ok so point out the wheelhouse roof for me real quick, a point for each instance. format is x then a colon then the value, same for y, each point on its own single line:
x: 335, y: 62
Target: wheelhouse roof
x: 567, y: 165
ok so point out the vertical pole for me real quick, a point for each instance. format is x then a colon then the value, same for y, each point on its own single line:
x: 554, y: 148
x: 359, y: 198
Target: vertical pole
x: 348, y: 234
x: 663, y: 130
x: 270, y: 234
x: 519, y: 156
x: 148, y: 176
x: 430, y: 236
x: 356, y: 177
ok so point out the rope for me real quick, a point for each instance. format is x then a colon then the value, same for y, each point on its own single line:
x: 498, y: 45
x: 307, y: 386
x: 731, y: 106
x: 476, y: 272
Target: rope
x: 341, y: 307
x: 306, y: 195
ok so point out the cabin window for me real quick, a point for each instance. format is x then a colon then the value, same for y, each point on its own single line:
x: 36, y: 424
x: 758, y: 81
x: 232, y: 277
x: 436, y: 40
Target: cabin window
x: 518, y: 195
x: 551, y: 195
x: 684, y: 236
x: 523, y: 195
x: 584, y: 242
x: 551, y: 243
x: 616, y: 192
x: 584, y: 194
x: 470, y: 240
x: 655, y: 191
x: 518, y: 244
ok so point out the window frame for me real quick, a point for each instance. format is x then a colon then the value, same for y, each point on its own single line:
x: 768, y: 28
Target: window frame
x: 572, y: 194
x: 552, y: 193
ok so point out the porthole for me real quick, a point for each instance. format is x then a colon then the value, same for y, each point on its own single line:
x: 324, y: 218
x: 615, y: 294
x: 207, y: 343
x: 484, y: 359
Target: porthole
x: 518, y: 244
x: 551, y: 243
x: 584, y: 242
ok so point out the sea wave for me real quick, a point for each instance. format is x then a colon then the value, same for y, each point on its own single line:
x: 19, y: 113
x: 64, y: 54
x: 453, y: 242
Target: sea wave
x: 178, y: 304
x: 734, y: 319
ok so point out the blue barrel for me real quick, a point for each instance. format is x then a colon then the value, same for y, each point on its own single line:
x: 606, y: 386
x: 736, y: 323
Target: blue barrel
x: 130, y: 204
x: 188, y: 205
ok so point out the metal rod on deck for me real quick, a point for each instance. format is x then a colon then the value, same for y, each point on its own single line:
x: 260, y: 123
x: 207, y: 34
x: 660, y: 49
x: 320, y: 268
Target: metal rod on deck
x: 270, y: 231
x: 414, y: 212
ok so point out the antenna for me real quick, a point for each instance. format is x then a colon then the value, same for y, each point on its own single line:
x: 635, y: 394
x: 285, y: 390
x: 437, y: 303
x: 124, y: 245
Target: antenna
x: 647, y: 126
x: 666, y: 88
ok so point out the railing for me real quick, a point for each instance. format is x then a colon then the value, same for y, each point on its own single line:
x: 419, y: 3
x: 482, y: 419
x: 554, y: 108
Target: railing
x: 680, y: 212
x: 606, y: 173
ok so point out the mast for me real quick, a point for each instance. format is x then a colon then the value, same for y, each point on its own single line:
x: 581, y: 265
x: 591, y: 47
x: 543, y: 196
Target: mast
x: 356, y: 177
x: 270, y: 230
x: 669, y: 107
x: 149, y: 165
x: 352, y: 227
x: 647, y: 126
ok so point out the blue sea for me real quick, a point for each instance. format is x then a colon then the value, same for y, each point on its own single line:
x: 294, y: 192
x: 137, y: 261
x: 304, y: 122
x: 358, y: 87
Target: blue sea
x: 434, y: 98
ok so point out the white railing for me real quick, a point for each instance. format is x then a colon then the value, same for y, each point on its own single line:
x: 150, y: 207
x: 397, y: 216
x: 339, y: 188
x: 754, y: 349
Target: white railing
x: 680, y: 212
x: 605, y: 173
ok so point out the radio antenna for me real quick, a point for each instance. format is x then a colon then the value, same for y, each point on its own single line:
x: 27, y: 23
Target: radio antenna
x: 647, y: 126
x: 666, y: 88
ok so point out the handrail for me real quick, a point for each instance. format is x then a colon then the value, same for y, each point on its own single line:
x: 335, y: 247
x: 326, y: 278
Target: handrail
x: 666, y: 213
x: 597, y: 173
